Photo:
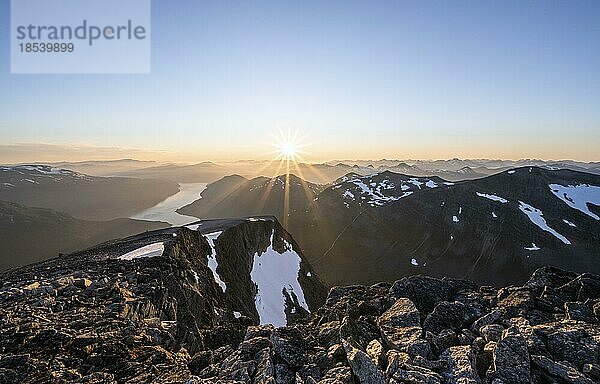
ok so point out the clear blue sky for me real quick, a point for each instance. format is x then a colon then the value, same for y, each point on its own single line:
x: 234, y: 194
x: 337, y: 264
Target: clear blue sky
x: 360, y: 78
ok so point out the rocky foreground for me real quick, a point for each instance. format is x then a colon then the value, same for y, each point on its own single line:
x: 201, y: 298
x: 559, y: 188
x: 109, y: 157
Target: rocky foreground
x: 86, y: 319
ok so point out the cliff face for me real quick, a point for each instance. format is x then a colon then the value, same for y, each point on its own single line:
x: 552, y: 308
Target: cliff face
x: 185, y: 305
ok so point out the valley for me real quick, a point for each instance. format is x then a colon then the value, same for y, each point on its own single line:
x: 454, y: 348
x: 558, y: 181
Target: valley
x: 166, y: 210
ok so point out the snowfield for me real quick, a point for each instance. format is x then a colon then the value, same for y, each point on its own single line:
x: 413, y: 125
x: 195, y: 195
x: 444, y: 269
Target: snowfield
x: 273, y: 273
x: 578, y: 196
x: 537, y: 217
x: 378, y: 193
x: 151, y: 250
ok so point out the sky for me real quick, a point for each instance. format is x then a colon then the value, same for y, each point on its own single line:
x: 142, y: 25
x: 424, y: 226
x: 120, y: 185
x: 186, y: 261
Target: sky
x: 352, y: 79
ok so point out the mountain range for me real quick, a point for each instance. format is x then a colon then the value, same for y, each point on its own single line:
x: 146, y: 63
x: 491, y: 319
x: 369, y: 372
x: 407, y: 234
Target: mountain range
x: 320, y: 173
x: 496, y: 229
x: 80, y: 195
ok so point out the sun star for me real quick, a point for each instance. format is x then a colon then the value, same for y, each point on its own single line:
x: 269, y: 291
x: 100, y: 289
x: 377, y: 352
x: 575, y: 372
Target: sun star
x: 288, y: 150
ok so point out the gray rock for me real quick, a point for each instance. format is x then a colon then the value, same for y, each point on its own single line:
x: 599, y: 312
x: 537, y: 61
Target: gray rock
x: 362, y: 366
x: 455, y: 315
x: 560, y: 371
x: 487, y: 319
x: 460, y: 366
x: 395, y: 360
x: 265, y: 369
x: 284, y: 375
x: 510, y: 362
x: 417, y: 375
x: 581, y: 311
x: 592, y: 370
x: 442, y: 341
x: 375, y: 352
x: 288, y: 344
x: 491, y: 332
x: 402, y: 314
x: 572, y: 341
x: 400, y: 328
x: 338, y: 375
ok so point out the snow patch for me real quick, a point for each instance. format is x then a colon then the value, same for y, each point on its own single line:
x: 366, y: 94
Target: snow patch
x: 374, y: 193
x: 578, y: 196
x: 273, y: 273
x: 494, y: 215
x: 536, y: 217
x: 151, y: 250
x: 510, y: 172
x: 455, y: 219
x: 431, y: 184
x: 415, y: 182
x: 236, y: 314
x: 492, y: 197
x: 533, y: 247
x: 570, y: 224
x: 414, y: 262
x: 212, y: 259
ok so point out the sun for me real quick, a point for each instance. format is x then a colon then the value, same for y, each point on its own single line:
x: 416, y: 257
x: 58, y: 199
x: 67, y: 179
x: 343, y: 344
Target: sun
x: 288, y: 150
x: 288, y: 146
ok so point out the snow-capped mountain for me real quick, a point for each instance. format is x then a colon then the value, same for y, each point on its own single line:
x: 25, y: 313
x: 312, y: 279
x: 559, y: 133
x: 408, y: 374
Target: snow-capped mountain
x: 496, y: 229
x: 378, y: 227
x: 382, y: 188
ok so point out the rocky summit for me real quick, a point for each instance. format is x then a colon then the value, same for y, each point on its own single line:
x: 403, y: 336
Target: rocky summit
x: 188, y: 305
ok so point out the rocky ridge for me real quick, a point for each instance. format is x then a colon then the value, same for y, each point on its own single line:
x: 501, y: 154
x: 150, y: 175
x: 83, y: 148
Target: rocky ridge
x: 427, y: 330
x: 141, y: 309
x: 154, y: 321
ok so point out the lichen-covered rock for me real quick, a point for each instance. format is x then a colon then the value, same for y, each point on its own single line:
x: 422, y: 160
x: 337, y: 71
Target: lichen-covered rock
x: 460, y: 366
x: 401, y: 328
x: 510, y: 359
x: 362, y: 366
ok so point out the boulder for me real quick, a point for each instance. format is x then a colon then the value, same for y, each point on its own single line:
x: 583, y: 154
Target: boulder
x: 362, y: 366
x: 510, y: 363
x: 454, y: 315
x: 560, y: 371
x: 460, y: 367
x: 400, y: 328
